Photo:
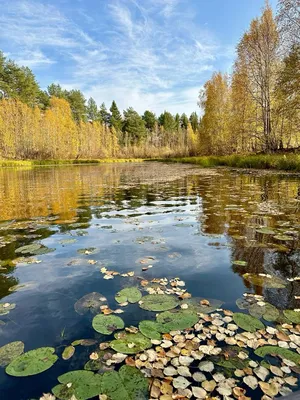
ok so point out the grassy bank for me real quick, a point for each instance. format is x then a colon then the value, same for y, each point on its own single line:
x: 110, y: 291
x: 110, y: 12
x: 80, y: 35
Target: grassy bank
x: 286, y: 162
x: 39, y: 163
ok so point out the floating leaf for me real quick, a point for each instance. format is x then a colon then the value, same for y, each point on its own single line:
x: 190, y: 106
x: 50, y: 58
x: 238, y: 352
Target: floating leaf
x: 5, y: 308
x: 267, y: 311
x: 242, y: 304
x: 10, y: 351
x: 28, y: 249
x: 278, y: 351
x: 177, y: 319
x: 293, y: 316
x: 158, y: 302
x: 81, y: 384
x: 266, y: 231
x: 265, y: 281
x: 107, y: 324
x: 87, y: 251
x: 284, y: 238
x: 240, y: 263
x: 127, y: 384
x: 130, y: 294
x: 199, y: 304
x: 150, y: 329
x: 33, y: 362
x: 68, y: 352
x: 247, y: 322
x: 130, y: 343
x: 91, y: 302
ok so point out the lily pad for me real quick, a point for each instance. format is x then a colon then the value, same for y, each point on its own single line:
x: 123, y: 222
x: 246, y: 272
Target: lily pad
x: 177, y: 319
x: 81, y: 384
x: 279, y: 351
x: 293, y: 316
x: 194, y: 304
x: 33, y: 362
x: 10, y: 351
x: 158, y: 302
x: 130, y: 294
x: 267, y: 311
x: 247, y: 322
x: 91, y: 302
x: 5, y: 308
x: 266, y: 231
x: 127, y: 384
x: 87, y: 251
x: 242, y: 304
x: 130, y: 343
x: 150, y: 329
x: 107, y: 324
x: 265, y: 281
x: 240, y: 263
x: 68, y: 352
x: 28, y: 249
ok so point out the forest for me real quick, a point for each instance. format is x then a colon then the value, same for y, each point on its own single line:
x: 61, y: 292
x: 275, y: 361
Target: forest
x: 254, y: 109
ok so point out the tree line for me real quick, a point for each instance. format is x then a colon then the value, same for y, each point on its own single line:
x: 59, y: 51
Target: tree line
x: 257, y: 108
x: 254, y: 109
x: 61, y: 124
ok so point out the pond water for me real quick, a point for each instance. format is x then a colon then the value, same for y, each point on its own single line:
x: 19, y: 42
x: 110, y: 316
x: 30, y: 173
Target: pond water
x: 207, y: 227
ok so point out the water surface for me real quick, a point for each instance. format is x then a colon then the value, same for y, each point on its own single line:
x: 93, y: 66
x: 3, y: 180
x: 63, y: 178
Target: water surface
x: 195, y: 223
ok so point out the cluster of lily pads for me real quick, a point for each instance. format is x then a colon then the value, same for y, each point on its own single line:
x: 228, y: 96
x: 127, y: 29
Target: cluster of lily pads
x: 189, y: 348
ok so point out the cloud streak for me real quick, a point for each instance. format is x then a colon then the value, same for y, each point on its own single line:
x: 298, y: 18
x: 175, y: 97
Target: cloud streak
x: 144, y: 53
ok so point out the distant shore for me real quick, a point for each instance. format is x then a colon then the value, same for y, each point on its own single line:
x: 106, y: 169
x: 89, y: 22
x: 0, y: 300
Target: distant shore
x: 283, y: 162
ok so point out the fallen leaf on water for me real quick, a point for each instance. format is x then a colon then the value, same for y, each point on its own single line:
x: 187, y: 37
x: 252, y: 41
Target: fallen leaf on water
x: 94, y: 356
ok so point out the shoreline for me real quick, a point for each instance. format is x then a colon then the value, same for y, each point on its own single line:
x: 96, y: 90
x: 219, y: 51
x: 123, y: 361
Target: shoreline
x: 271, y: 162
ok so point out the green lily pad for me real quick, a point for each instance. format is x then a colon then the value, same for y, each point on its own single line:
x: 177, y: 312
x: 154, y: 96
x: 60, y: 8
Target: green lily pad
x: 28, y: 249
x: 247, y: 322
x: 177, y: 319
x: 91, y: 302
x: 265, y: 281
x: 5, y: 308
x: 107, y: 324
x: 266, y: 231
x: 84, y: 385
x: 158, y: 302
x: 242, y: 304
x: 240, y: 263
x: 278, y: 351
x: 127, y: 384
x: 10, y: 351
x: 231, y: 363
x: 87, y: 251
x: 195, y: 305
x: 130, y: 343
x: 42, y: 250
x: 84, y: 342
x: 293, y: 316
x: 68, y: 352
x: 267, y: 311
x: 150, y: 329
x: 33, y: 362
x: 130, y: 294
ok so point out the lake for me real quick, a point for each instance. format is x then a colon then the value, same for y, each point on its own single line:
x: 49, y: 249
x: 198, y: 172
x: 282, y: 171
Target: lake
x: 214, y: 229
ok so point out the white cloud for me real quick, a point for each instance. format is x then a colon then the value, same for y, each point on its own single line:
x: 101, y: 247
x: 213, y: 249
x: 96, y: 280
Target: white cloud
x: 144, y: 53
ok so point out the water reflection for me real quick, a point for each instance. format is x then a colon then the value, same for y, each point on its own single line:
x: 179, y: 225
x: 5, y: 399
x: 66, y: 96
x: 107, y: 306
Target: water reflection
x: 209, y: 227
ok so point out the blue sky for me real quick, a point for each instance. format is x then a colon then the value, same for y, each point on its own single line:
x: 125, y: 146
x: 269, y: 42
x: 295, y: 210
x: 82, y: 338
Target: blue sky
x: 149, y: 54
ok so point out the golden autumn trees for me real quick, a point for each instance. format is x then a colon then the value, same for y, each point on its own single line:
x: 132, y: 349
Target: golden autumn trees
x: 215, y: 100
x: 257, y: 108
x: 257, y: 56
x: 30, y: 133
